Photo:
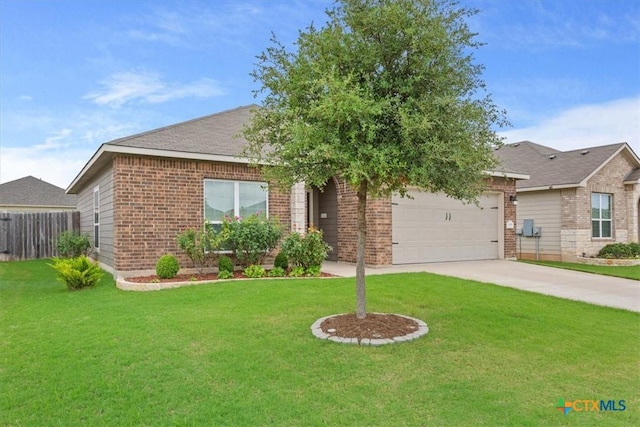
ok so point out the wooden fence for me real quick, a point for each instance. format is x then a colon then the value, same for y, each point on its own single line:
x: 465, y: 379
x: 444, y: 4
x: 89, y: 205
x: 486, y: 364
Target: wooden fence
x: 33, y: 235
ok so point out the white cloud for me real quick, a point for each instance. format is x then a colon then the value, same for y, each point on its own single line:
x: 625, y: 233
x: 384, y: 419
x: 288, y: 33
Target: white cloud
x: 56, y: 167
x: 147, y: 87
x: 586, y: 126
x: 55, y: 141
x: 58, y: 146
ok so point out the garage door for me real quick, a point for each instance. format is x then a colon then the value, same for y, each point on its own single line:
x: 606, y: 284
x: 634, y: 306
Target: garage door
x: 435, y: 228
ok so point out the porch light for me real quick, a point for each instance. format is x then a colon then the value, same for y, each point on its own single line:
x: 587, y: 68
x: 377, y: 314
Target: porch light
x: 513, y: 199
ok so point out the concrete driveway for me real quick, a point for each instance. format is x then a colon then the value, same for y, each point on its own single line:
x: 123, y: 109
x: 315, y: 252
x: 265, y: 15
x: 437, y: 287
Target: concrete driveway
x: 575, y: 285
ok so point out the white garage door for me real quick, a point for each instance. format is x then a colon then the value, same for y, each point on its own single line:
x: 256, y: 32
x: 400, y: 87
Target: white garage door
x: 434, y: 228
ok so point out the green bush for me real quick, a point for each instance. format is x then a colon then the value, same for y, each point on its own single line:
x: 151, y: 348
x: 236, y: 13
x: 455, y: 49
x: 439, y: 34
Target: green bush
x: 278, y: 272
x: 167, y: 267
x: 200, y: 245
x: 71, y: 244
x: 620, y: 250
x: 306, y: 251
x: 224, y: 274
x: 313, y: 271
x: 225, y: 264
x: 254, y: 271
x: 251, y: 239
x: 296, y: 272
x: 77, y: 273
x: 281, y: 261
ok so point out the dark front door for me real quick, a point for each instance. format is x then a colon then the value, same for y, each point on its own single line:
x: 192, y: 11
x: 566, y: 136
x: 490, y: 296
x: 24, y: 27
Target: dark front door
x: 328, y: 217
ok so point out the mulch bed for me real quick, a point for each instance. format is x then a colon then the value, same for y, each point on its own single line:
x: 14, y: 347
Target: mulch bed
x: 193, y: 277
x: 374, y: 326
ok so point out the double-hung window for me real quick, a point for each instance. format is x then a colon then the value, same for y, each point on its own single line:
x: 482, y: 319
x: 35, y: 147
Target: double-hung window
x: 233, y: 199
x: 96, y: 217
x: 601, y: 207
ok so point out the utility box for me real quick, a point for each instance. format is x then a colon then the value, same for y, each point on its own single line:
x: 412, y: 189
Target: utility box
x: 527, y: 228
x: 537, y: 231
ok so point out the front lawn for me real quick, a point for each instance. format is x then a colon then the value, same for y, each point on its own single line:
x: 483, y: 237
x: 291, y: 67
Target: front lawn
x: 624, y: 271
x: 241, y: 353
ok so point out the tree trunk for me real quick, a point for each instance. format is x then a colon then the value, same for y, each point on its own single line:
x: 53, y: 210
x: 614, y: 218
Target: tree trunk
x: 361, y: 294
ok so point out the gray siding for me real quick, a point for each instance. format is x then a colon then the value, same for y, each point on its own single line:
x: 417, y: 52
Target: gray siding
x: 85, y: 205
x: 544, y: 207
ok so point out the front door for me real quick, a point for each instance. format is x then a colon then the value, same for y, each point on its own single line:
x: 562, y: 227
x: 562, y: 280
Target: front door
x: 328, y: 217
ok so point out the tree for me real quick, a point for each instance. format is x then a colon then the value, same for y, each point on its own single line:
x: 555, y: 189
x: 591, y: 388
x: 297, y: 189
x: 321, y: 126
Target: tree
x: 386, y: 95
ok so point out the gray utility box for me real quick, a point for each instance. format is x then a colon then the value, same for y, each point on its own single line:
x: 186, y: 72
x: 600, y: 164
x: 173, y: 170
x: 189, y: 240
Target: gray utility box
x: 528, y: 229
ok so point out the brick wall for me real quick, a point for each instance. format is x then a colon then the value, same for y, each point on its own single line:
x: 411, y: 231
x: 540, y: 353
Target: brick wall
x: 156, y: 198
x: 379, y: 241
x: 576, y: 211
x: 507, y: 187
x: 378, y: 246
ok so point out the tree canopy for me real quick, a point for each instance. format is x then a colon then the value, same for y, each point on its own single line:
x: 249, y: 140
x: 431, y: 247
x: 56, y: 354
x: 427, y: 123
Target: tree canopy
x: 386, y: 95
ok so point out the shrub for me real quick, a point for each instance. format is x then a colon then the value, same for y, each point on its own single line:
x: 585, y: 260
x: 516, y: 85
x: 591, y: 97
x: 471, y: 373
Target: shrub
x: 313, y: 271
x: 306, y: 251
x: 77, y: 273
x: 224, y: 274
x: 200, y: 245
x: 72, y: 245
x: 620, y: 250
x: 277, y: 272
x: 296, y: 272
x: 225, y: 264
x: 251, y: 239
x: 167, y: 267
x: 254, y: 271
x: 281, y: 261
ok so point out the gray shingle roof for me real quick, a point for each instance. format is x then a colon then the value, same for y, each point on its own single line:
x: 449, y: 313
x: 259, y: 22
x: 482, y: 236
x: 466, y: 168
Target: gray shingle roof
x: 30, y: 191
x: 213, y: 134
x: 549, y: 167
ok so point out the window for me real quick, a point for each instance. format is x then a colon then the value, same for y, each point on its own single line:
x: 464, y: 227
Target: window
x: 233, y: 198
x: 601, y: 215
x: 96, y: 217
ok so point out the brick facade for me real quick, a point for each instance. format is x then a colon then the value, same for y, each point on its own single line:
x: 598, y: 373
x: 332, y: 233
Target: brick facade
x: 379, y: 232
x: 157, y: 198
x: 576, y: 234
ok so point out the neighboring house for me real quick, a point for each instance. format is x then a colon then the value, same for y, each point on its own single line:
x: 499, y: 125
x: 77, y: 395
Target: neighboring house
x: 137, y: 193
x: 582, y: 199
x: 31, y: 194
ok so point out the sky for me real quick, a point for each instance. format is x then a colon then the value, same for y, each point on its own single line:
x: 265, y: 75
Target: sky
x: 78, y: 73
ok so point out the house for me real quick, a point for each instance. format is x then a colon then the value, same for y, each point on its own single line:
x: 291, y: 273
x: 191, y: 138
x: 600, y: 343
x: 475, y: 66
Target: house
x: 581, y: 199
x: 137, y: 193
x: 31, y: 194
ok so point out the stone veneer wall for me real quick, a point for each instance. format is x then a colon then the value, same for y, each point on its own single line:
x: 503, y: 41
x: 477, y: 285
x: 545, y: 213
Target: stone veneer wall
x: 576, y: 211
x: 379, y: 233
x: 157, y: 198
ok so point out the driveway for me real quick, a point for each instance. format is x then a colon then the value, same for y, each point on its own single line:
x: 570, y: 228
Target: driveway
x: 575, y: 285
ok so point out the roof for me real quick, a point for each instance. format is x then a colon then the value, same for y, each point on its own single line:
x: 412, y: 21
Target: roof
x: 550, y: 168
x: 215, y: 138
x: 31, y: 191
x: 214, y: 134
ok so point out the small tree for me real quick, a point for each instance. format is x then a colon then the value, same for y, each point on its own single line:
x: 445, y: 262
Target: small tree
x: 386, y: 95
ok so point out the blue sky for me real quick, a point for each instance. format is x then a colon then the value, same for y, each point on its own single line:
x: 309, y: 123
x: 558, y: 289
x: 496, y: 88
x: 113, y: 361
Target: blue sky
x: 75, y: 74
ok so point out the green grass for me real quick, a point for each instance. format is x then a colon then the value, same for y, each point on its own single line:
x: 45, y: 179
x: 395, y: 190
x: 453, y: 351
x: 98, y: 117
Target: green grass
x: 624, y: 271
x: 241, y: 353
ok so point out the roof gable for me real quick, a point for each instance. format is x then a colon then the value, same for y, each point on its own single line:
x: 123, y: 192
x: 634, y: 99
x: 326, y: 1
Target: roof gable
x: 551, y: 167
x: 216, y: 134
x: 31, y: 191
